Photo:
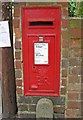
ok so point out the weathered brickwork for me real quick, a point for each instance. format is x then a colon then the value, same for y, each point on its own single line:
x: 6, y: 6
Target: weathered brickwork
x: 68, y: 104
x: 74, y: 99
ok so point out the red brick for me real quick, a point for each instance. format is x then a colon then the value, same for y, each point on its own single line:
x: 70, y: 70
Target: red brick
x: 65, y: 11
x: 16, y: 12
x: 75, y: 42
x: 65, y: 23
x: 81, y: 78
x: 65, y: 43
x: 73, y: 105
x: 23, y: 108
x: 63, y: 91
x: 82, y: 102
x: 19, y: 91
x: 64, y: 4
x: 64, y: 73
x: 18, y: 73
x: 16, y: 23
x: 18, y: 64
x: 18, y: 55
x: 59, y: 109
x: 32, y: 108
x: 65, y: 53
x: 73, y: 113
x: 74, y: 79
x: 73, y: 96
x: 76, y: 70
x: 63, y: 82
x: 18, y: 82
x: 76, y: 32
x: 17, y: 33
x: 75, y: 62
x: 82, y: 52
x: 82, y: 74
x: 82, y: 87
x: 0, y: 75
x: 75, y: 52
x: 18, y: 45
x: 65, y: 35
x: 74, y: 87
x: 22, y: 4
x: 64, y: 63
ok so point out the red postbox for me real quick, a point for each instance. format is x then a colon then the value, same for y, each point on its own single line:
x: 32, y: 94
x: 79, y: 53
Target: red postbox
x: 41, y: 50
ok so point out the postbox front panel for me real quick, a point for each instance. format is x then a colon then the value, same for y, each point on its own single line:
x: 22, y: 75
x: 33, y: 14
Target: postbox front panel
x: 41, y: 55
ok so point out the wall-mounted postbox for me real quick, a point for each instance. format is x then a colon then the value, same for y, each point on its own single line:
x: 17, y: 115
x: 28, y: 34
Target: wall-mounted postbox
x: 41, y: 50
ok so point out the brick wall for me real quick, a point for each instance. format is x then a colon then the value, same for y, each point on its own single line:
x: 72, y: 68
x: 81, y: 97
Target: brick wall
x: 74, y: 98
x: 69, y: 102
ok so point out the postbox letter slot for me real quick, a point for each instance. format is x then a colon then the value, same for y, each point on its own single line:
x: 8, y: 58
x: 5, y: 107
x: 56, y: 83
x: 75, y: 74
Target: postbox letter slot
x: 41, y: 23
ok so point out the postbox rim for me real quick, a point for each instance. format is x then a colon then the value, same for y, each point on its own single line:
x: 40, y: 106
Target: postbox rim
x: 33, y: 86
x: 42, y: 7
